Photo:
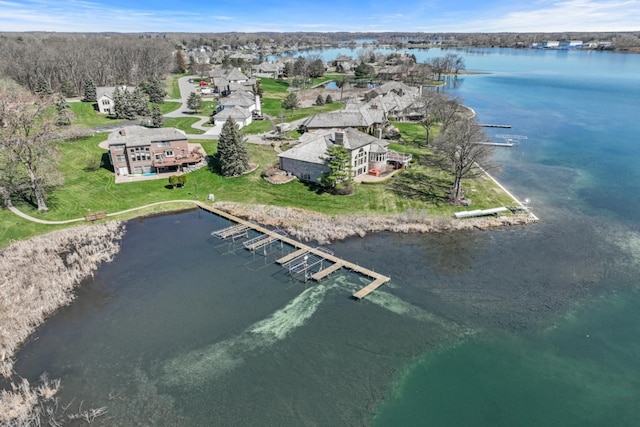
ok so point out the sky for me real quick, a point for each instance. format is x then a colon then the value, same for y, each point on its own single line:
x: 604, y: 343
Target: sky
x: 430, y: 16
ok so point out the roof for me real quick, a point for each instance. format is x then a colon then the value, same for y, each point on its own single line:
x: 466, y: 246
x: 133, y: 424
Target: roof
x: 135, y: 136
x: 235, y: 75
x: 242, y: 99
x: 312, y: 151
x: 237, y: 113
x: 313, y: 145
x: 107, y: 91
x: 357, y: 117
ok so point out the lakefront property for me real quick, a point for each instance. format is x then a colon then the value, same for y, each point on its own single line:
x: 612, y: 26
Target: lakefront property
x: 136, y: 150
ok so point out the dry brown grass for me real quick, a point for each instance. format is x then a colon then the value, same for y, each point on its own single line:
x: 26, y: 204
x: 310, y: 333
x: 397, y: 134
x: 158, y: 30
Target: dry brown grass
x: 38, y: 275
x: 310, y: 226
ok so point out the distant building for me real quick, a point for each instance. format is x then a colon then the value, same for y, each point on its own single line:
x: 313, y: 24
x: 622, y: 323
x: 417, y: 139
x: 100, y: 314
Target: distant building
x: 104, y: 96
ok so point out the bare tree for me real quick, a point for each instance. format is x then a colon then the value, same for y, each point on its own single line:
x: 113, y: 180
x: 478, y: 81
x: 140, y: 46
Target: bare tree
x: 459, y: 152
x: 26, y: 140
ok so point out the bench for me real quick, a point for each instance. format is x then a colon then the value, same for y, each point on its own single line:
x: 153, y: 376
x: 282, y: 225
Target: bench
x: 95, y: 216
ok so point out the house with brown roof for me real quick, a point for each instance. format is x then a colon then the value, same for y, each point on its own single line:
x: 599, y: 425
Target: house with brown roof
x: 136, y: 150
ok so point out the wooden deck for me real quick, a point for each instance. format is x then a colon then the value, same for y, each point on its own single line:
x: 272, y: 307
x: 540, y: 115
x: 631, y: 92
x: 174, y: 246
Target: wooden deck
x: 378, y: 279
x: 240, y: 228
x: 291, y: 256
x: 370, y: 288
x: 327, y: 271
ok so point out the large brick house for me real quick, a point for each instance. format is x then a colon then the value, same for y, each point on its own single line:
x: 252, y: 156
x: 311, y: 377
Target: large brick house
x: 136, y: 150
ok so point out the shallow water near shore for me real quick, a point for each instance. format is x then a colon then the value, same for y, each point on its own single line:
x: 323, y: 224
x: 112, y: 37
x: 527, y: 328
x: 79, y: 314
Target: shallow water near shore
x: 533, y: 325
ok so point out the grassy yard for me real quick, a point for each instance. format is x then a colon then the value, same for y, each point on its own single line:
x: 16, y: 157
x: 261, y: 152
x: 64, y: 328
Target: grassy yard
x: 184, y: 124
x: 87, y: 190
x: 88, y: 117
x: 172, y: 87
x: 167, y: 107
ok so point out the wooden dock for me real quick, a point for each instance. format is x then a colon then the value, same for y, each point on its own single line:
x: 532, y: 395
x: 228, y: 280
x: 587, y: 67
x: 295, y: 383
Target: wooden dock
x: 291, y: 256
x: 231, y: 231
x: 378, y: 279
x: 327, y: 271
x: 370, y: 288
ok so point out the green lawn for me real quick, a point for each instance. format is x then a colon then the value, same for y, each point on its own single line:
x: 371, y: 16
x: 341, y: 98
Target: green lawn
x: 88, y: 190
x: 172, y: 86
x: 167, y: 107
x: 257, y: 126
x: 273, y: 108
x: 183, y: 123
x: 88, y: 117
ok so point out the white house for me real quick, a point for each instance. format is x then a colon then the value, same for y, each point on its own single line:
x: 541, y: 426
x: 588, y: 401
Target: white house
x: 104, y: 95
x: 242, y: 116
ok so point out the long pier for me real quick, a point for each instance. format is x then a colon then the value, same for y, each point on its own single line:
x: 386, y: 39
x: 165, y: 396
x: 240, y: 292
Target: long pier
x: 377, y: 279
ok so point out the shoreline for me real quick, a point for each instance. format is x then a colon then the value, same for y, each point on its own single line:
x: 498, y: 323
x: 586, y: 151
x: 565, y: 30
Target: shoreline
x: 313, y: 226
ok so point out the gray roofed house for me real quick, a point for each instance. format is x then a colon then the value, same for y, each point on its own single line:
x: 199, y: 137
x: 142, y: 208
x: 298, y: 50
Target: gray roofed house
x: 238, y: 99
x: 268, y: 69
x: 360, y: 117
x: 306, y: 160
x: 104, y: 96
x: 242, y: 116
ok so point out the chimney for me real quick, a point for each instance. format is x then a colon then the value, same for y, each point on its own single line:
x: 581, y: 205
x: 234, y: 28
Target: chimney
x: 258, y: 106
x: 123, y: 132
x: 339, y: 138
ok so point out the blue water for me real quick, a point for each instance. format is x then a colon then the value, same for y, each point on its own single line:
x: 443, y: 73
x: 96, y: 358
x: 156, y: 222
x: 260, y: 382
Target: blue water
x: 534, y: 325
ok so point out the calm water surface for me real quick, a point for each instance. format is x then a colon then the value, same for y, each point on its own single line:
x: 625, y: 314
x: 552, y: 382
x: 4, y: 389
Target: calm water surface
x: 534, y: 325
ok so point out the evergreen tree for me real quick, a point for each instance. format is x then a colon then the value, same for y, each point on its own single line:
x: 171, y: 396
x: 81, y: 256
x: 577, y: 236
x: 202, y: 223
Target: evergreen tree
x: 338, y: 162
x: 139, y: 102
x: 66, y: 87
x: 63, y: 112
x: 89, y: 91
x: 329, y: 100
x: 156, y: 92
x: 43, y: 88
x: 194, y: 102
x: 156, y: 117
x: 319, y: 100
x: 118, y: 103
x: 233, y: 158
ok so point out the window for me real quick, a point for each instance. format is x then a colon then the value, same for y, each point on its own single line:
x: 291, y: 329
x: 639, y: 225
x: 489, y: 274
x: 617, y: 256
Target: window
x: 163, y: 144
x: 120, y: 158
x: 168, y: 153
x: 306, y: 177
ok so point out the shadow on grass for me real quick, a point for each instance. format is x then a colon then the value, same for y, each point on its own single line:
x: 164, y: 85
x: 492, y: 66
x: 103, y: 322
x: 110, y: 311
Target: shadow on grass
x: 418, y: 185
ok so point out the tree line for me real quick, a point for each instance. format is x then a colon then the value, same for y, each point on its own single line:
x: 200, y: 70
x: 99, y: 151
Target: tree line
x: 64, y: 62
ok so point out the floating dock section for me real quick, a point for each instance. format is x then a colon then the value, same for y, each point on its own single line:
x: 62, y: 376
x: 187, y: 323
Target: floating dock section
x: 479, y: 212
x: 301, y: 262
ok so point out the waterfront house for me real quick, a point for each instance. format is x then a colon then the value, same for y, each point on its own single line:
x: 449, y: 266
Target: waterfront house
x: 307, y: 159
x: 136, y: 150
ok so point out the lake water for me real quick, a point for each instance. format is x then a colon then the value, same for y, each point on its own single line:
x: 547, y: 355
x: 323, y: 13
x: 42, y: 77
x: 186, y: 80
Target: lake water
x: 535, y: 325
